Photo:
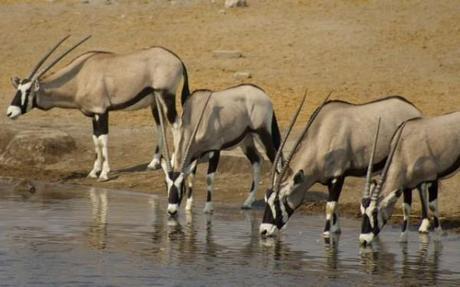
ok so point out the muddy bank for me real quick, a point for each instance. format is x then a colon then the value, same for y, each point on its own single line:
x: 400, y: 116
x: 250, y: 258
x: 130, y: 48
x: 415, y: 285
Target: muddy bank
x: 129, y: 161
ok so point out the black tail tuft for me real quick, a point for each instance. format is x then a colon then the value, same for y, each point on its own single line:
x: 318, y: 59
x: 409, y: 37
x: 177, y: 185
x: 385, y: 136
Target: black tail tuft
x: 276, y: 136
x: 185, y: 87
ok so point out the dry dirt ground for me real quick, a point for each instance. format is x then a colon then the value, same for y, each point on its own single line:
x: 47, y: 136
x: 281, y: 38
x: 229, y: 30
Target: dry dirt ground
x: 363, y: 50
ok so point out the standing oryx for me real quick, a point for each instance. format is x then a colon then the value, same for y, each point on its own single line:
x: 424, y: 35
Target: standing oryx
x: 98, y: 82
x: 215, y: 121
x: 423, y: 151
x: 334, y: 144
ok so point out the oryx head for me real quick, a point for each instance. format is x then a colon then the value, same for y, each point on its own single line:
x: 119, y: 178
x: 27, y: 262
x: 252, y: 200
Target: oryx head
x: 27, y: 89
x: 286, y: 190
x: 175, y: 179
x: 374, y: 210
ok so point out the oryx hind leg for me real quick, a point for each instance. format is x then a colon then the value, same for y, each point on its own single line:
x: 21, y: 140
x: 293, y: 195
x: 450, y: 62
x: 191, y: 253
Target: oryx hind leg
x: 212, y: 167
x: 156, y: 161
x: 406, y: 207
x: 332, y: 218
x: 100, y: 140
x: 423, y: 192
x: 254, y: 157
x: 433, y: 205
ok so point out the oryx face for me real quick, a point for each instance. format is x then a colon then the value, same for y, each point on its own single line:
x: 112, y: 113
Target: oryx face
x: 372, y: 221
x: 23, y: 101
x: 278, y: 208
x: 175, y: 184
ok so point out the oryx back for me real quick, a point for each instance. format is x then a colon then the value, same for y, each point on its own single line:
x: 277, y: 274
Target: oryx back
x: 339, y: 140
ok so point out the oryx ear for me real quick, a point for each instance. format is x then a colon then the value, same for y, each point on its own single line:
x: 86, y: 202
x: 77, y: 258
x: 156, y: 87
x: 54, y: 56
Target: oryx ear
x: 298, y: 177
x: 36, y: 86
x: 15, y: 81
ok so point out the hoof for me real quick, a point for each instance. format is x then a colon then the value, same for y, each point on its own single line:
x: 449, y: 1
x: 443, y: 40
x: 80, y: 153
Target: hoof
x: 424, y: 226
x: 103, y: 179
x: 92, y: 175
x: 153, y: 166
x: 403, y: 237
x: 208, y: 209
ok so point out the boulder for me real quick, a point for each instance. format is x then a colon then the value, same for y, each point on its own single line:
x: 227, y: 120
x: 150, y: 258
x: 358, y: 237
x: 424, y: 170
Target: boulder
x: 37, y: 147
x: 235, y: 3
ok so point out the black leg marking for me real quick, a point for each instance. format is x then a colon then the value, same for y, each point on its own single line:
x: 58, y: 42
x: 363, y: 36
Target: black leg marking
x: 253, y: 156
x: 432, y: 197
x: 101, y: 124
x: 212, y: 167
x: 407, y: 196
x: 267, y: 141
x: 423, y: 202
x: 335, y: 187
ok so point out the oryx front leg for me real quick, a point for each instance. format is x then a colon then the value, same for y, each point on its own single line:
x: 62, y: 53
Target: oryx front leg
x: 255, y: 159
x: 100, y: 139
x: 332, y: 219
x: 213, y: 162
x: 406, y: 207
x: 425, y: 224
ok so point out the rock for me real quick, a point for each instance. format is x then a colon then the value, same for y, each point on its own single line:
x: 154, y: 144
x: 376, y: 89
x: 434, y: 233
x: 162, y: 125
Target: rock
x: 235, y: 3
x: 227, y: 54
x: 242, y: 75
x: 37, y: 147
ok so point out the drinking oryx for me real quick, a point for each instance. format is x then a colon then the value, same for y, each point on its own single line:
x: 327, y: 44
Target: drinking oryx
x: 423, y: 151
x: 334, y: 144
x: 98, y: 82
x: 215, y: 121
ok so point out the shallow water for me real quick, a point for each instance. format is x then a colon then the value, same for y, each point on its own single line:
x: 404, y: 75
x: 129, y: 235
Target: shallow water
x: 67, y: 235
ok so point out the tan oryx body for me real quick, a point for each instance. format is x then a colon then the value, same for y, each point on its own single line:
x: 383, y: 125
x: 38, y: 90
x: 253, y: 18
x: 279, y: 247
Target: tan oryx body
x: 333, y: 145
x: 98, y: 82
x: 426, y: 150
x: 215, y: 121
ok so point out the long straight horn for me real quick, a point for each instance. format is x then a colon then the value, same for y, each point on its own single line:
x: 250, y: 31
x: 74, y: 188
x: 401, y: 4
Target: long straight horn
x: 371, y: 162
x: 195, y: 130
x: 165, y: 151
x: 60, y: 58
x: 44, y: 58
x: 299, y: 139
x: 376, y: 193
x: 287, y: 133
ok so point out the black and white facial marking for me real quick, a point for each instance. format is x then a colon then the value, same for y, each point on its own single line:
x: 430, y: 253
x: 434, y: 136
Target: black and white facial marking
x: 278, y: 209
x: 175, y: 183
x: 24, y: 99
x: 373, y: 219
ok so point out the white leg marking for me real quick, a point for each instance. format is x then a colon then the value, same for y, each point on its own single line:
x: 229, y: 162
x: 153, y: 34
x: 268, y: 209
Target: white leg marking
x: 156, y: 161
x: 189, y: 203
x: 103, y: 142
x: 424, y: 226
x: 209, y: 207
x: 97, y: 166
x: 255, y: 179
x: 331, y: 207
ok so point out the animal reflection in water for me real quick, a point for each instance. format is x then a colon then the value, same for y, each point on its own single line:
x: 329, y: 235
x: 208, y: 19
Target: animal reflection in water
x: 98, y: 228
x: 423, y: 265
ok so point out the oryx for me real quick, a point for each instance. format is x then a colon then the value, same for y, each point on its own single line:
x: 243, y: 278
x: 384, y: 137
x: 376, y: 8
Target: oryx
x: 219, y: 120
x: 334, y: 144
x: 423, y: 151
x: 98, y: 82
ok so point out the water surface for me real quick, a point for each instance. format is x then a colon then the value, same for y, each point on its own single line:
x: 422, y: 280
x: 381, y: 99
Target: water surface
x: 75, y: 236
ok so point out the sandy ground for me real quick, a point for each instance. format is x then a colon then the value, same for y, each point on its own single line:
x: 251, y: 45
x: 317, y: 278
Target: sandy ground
x: 363, y: 50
